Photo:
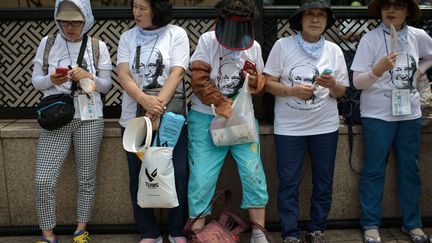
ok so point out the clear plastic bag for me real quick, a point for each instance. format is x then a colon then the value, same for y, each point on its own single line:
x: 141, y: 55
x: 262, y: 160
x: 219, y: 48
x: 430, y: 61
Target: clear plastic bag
x: 241, y: 126
x: 424, y: 88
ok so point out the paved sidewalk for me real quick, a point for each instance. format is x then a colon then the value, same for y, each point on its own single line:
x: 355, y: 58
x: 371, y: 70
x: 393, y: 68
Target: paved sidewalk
x: 389, y: 235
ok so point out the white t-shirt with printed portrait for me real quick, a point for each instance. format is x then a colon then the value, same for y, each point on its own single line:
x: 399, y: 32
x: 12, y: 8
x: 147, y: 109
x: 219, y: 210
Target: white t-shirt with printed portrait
x: 375, y: 101
x: 159, y: 50
x: 65, y: 53
x: 319, y: 115
x: 226, y: 66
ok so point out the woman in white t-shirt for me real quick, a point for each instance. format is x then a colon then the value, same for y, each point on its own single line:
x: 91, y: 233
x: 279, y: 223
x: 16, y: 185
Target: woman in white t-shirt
x: 306, y: 74
x: 73, y: 20
x: 385, y: 67
x: 216, y: 67
x: 151, y: 59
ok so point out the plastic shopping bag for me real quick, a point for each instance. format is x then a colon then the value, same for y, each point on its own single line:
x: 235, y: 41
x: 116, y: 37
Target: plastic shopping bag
x: 424, y: 88
x: 170, y: 129
x: 240, y: 127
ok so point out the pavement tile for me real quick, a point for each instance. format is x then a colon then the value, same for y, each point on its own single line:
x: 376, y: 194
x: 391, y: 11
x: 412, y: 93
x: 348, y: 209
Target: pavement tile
x: 389, y: 235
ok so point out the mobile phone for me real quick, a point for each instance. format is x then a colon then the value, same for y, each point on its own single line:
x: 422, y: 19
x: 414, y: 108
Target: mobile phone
x: 62, y: 70
x: 248, y: 65
x: 326, y: 71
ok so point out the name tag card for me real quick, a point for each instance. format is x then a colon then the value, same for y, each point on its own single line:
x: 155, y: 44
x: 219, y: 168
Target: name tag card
x: 401, y: 104
x: 87, y: 106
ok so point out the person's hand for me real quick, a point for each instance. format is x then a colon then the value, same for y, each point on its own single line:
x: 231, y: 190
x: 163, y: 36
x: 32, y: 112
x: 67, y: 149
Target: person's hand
x: 303, y: 91
x: 58, y: 79
x: 152, y: 104
x: 256, y: 81
x: 384, y: 64
x: 87, y: 85
x: 224, y: 109
x: 155, y: 120
x: 326, y: 81
x: 78, y: 73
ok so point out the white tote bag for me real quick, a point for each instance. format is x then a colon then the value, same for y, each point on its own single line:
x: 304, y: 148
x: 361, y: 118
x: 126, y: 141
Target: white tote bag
x: 156, y: 184
x: 240, y: 127
x: 156, y: 188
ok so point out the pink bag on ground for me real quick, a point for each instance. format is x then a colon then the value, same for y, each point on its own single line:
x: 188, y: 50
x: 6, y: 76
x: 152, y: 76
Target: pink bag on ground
x: 225, y: 230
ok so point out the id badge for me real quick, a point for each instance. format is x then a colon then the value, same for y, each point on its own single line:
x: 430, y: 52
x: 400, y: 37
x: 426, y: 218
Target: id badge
x: 87, y: 107
x: 401, y: 104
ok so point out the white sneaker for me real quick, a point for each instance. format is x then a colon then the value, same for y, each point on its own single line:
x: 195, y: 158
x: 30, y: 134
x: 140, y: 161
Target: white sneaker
x: 371, y: 235
x: 152, y: 240
x: 177, y: 239
x: 417, y: 235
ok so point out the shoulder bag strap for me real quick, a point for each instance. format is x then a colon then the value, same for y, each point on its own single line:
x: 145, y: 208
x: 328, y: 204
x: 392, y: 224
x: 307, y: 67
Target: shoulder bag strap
x: 96, y: 53
x: 79, y: 61
x: 350, y: 143
x: 49, y: 44
x: 82, y: 49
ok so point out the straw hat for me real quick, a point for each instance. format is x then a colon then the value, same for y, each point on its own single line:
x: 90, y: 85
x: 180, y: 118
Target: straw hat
x: 68, y: 11
x: 374, y: 9
x: 295, y: 19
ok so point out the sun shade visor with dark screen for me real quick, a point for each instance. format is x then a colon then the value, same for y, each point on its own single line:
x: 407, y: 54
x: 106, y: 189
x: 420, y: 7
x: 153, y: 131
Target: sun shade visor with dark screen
x: 235, y: 33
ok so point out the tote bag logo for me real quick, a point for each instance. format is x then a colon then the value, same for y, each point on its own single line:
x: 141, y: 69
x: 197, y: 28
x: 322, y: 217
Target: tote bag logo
x: 151, y: 177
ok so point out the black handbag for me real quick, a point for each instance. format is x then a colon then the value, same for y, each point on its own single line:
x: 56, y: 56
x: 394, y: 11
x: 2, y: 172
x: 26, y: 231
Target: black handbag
x: 177, y: 104
x: 55, y: 111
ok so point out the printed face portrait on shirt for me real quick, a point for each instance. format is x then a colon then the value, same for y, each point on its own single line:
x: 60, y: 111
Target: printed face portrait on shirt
x: 228, y: 78
x: 403, y: 72
x: 303, y: 74
x: 150, y: 68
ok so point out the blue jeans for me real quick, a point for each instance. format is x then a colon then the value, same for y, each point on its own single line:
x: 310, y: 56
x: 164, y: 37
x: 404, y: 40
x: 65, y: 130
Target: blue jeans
x: 378, y: 137
x: 290, y: 151
x: 144, y: 217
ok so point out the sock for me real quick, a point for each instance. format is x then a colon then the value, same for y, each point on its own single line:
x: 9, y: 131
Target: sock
x: 258, y: 236
x: 51, y: 238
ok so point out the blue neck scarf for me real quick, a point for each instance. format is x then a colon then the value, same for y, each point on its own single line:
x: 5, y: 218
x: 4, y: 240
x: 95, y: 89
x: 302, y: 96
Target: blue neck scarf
x: 314, y: 50
x: 144, y: 37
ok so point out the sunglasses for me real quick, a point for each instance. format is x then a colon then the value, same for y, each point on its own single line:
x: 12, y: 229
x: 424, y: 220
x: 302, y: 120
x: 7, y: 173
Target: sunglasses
x: 396, y: 5
x: 74, y: 24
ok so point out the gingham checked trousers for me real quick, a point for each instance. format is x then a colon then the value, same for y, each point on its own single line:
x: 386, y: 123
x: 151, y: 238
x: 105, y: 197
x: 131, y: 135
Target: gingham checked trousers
x: 53, y: 148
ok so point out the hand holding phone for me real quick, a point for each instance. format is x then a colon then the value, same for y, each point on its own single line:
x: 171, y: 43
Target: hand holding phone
x: 248, y: 65
x: 62, y: 71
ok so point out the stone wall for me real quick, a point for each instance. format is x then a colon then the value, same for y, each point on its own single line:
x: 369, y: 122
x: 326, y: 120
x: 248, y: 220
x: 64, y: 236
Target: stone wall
x: 17, y: 165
